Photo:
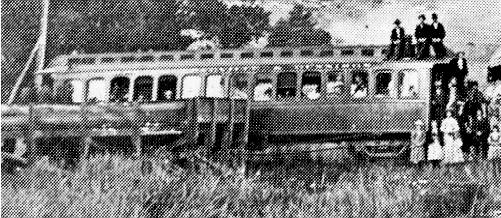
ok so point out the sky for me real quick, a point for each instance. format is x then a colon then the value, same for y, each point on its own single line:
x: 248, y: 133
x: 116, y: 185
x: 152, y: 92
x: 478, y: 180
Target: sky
x: 370, y: 21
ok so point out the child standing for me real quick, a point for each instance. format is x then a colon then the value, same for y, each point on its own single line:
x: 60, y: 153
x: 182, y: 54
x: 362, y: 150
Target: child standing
x: 435, y: 153
x: 418, y: 138
x: 494, y: 141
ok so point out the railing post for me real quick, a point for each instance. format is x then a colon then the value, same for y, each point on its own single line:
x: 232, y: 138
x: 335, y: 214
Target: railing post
x: 30, y: 134
x: 244, y: 136
x: 86, y: 139
x: 230, y: 125
x: 136, y: 131
x: 211, y: 136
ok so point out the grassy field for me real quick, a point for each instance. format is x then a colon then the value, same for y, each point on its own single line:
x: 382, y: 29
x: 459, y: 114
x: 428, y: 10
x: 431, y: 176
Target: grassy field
x: 112, y: 186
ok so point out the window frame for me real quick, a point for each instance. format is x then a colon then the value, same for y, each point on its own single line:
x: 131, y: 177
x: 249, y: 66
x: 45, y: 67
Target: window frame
x: 200, y: 91
x: 232, y: 86
x: 223, y: 88
x: 400, y: 80
x: 174, y: 97
x: 295, y: 74
x: 82, y: 93
x: 376, y: 73
x: 301, y: 85
x: 351, y: 74
x: 106, y: 89
x: 127, y: 95
x: 268, y: 76
x: 326, y: 80
x: 151, y: 90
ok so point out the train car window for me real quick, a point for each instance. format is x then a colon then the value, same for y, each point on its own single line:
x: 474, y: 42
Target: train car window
x: 77, y: 91
x: 192, y: 85
x: 71, y: 91
x: 359, y: 84
x: 408, y: 83
x: 384, y: 84
x: 166, y: 88
x: 96, y: 90
x: 214, y: 86
x: 310, y: 86
x: 263, y: 91
x: 335, y: 83
x: 119, y: 89
x: 239, y: 86
x: 143, y: 89
x: 286, y: 85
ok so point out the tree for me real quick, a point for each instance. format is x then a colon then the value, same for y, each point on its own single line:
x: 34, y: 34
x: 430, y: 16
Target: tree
x: 234, y: 26
x: 298, y: 30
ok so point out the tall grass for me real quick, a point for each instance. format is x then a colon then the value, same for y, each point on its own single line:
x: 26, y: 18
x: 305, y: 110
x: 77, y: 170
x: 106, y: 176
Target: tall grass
x: 113, y: 186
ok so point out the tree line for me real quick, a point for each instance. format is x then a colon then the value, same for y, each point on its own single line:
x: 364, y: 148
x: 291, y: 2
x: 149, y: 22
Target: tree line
x: 96, y: 26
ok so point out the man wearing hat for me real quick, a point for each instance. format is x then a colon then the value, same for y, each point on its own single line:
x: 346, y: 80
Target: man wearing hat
x: 422, y: 35
x: 397, y: 41
x: 437, y: 35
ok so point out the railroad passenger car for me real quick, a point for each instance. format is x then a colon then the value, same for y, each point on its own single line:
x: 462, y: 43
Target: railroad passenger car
x: 334, y: 97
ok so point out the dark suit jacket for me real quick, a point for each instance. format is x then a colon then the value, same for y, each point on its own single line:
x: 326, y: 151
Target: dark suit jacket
x: 439, y: 32
x: 459, y: 73
x: 394, y: 35
x: 422, y: 32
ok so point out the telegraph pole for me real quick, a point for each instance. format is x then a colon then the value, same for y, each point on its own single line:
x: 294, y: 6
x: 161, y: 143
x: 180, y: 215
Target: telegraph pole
x: 38, y: 53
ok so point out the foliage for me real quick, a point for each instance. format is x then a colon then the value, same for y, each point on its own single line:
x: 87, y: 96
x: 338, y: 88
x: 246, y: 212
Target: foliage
x: 298, y: 30
x: 112, y: 186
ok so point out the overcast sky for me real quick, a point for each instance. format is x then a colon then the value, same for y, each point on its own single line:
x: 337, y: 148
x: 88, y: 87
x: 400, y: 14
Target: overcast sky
x: 370, y: 21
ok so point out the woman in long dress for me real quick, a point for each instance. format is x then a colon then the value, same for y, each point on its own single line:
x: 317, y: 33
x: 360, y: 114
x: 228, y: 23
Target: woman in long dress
x: 452, y: 141
x: 418, y: 138
x: 435, y: 153
x: 494, y: 141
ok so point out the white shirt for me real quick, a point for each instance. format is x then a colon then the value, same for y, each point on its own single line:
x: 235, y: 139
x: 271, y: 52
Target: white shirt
x: 460, y: 63
x: 435, y: 25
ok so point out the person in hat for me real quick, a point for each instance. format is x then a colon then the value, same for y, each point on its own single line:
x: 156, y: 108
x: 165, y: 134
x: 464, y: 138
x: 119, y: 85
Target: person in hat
x: 422, y: 35
x: 459, y: 70
x: 437, y: 35
x: 452, y: 140
x: 480, y: 133
x: 397, y: 41
x: 418, y: 138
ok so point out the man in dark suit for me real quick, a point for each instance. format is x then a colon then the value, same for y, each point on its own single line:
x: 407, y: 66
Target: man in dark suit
x: 437, y: 35
x: 459, y: 69
x: 422, y: 35
x: 397, y: 41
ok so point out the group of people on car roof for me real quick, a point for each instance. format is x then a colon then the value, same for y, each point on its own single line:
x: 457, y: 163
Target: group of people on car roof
x: 426, y: 35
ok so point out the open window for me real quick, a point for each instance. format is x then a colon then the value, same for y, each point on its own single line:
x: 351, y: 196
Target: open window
x: 263, y: 91
x: 310, y: 85
x: 71, y: 91
x: 166, y: 88
x: 239, y: 86
x: 214, y: 86
x: 408, y: 85
x: 192, y: 85
x: 286, y: 85
x: 143, y: 89
x: 359, y: 84
x: 384, y: 84
x: 335, y: 83
x: 96, y: 90
x: 119, y: 89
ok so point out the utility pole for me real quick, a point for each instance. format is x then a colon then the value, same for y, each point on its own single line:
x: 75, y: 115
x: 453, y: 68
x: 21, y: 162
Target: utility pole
x: 38, y: 52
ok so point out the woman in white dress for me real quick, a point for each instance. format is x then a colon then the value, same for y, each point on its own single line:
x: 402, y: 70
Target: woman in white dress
x: 435, y: 153
x: 452, y: 141
x: 494, y: 141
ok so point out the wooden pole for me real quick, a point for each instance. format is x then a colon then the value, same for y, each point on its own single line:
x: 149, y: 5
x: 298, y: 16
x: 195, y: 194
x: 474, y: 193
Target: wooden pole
x: 20, y: 79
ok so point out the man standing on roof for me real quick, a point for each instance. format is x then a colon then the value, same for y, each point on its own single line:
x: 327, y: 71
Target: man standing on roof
x: 397, y: 41
x: 422, y: 35
x: 437, y: 35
